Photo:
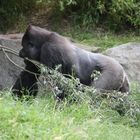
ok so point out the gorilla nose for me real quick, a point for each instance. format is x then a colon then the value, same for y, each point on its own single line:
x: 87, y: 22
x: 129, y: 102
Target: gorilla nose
x: 21, y: 54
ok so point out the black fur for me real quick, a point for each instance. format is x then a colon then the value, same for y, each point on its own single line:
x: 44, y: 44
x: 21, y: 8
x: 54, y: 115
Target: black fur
x: 26, y: 84
x: 52, y: 49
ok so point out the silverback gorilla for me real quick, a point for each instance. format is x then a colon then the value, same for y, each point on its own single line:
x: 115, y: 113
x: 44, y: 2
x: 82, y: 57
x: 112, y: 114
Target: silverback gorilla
x: 52, y: 49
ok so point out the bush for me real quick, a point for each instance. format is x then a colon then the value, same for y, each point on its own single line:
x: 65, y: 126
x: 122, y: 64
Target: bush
x: 73, y: 91
x: 115, y: 14
x: 12, y: 10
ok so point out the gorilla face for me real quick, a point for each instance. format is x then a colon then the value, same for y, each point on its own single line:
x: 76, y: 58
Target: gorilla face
x: 31, y: 51
x: 32, y: 42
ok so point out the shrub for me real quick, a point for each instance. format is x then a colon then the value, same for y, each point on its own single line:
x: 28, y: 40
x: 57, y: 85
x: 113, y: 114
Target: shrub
x: 115, y: 14
x: 72, y: 90
x: 11, y: 11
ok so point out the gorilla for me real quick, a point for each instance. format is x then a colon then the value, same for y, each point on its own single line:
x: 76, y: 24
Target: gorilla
x: 51, y: 49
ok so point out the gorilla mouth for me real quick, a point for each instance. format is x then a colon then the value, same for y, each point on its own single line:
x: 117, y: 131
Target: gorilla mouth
x: 21, y: 54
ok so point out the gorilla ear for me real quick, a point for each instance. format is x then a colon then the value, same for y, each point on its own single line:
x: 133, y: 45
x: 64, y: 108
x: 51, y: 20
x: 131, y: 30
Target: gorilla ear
x: 30, y: 30
x: 29, y: 27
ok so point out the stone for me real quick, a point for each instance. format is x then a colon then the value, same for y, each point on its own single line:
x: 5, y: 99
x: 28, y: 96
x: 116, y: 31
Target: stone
x: 8, y: 71
x: 129, y: 57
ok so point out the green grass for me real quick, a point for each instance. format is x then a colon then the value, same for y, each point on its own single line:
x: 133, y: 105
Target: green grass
x: 97, y: 37
x: 44, y: 119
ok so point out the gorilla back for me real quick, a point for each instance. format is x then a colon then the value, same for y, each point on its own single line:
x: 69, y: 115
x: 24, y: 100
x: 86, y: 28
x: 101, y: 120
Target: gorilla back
x: 52, y: 49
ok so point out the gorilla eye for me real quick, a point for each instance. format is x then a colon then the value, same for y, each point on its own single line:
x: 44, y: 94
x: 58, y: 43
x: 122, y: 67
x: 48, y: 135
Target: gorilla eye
x: 31, y: 44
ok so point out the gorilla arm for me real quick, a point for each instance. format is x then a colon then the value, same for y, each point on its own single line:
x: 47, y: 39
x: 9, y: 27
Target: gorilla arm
x: 27, y: 82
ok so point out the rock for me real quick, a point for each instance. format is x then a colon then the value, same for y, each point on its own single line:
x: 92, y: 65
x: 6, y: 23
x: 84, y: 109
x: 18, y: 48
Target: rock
x: 11, y: 36
x: 129, y: 57
x: 8, y: 71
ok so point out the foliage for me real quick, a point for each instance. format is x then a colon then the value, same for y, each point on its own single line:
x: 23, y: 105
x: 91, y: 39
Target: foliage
x: 71, y: 89
x: 115, y: 14
x: 13, y: 10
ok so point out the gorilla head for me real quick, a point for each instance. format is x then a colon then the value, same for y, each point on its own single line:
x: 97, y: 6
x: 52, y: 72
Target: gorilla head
x: 32, y: 41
